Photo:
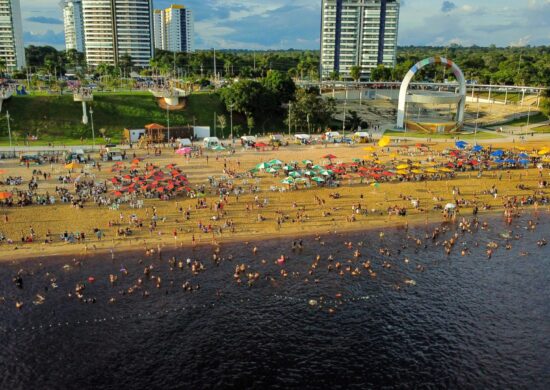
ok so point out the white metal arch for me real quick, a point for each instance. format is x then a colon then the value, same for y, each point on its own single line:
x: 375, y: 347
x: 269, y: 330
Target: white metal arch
x: 408, y: 78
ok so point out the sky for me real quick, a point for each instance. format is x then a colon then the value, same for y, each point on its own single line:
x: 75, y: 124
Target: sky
x: 285, y: 24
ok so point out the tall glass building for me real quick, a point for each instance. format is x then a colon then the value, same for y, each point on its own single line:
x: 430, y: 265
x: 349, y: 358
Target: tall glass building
x: 174, y: 29
x: 12, y: 51
x: 358, y: 33
x: 115, y: 28
x: 74, y: 28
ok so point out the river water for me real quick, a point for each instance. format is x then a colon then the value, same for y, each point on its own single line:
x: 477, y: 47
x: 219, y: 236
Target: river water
x: 425, y: 320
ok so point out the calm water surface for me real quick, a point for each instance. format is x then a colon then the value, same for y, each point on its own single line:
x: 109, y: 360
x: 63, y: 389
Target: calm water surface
x: 469, y: 322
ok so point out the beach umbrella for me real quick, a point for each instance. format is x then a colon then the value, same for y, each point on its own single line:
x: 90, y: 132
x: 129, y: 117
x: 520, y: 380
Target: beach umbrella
x: 384, y: 141
x: 446, y: 170
x: 524, y: 162
x: 118, y: 193
x: 5, y: 195
x: 218, y: 148
x: 329, y: 156
x: 450, y: 206
x: 477, y: 148
x: 271, y: 170
x: 431, y: 170
x: 254, y: 170
x: 523, y: 155
x: 543, y: 151
x: 375, y: 185
x: 356, y: 160
x: 369, y: 149
x: 288, y: 168
x: 388, y: 174
x: 461, y: 144
x: 327, y: 173
x: 403, y: 166
x: 183, y: 151
x: 417, y: 171
x: 318, y: 179
x: 294, y: 174
x: 288, y: 180
x: 309, y: 173
x: 497, y: 153
x: 402, y: 172
x: 307, y: 162
x: 276, y: 162
x: 261, y: 145
x: 301, y: 180
x: 263, y: 165
x: 73, y: 165
x: 431, y: 164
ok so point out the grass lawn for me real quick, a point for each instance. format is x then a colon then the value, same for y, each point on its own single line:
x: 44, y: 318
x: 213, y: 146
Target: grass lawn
x: 59, y: 118
x: 542, y: 129
x: 480, y: 135
x: 537, y: 118
x: 512, y: 97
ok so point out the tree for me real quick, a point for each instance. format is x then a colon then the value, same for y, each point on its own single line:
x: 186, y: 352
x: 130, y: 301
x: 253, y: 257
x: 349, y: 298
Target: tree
x: 334, y: 75
x: 354, y: 120
x: 545, y: 104
x: 310, y: 103
x: 222, y: 121
x: 103, y: 131
x: 355, y: 72
x: 280, y: 85
x: 250, y: 124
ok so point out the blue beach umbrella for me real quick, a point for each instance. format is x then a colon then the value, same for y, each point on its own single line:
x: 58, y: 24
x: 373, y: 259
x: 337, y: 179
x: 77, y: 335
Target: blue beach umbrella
x: 461, y: 144
x: 477, y: 148
x: 497, y: 153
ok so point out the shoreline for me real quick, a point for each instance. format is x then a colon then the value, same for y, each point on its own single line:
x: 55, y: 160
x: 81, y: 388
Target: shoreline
x: 71, y: 251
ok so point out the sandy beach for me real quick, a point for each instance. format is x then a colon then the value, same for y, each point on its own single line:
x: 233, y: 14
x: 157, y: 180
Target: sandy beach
x: 253, y: 216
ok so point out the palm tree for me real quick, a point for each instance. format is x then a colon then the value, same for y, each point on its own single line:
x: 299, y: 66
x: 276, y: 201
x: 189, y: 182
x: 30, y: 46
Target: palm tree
x: 222, y: 121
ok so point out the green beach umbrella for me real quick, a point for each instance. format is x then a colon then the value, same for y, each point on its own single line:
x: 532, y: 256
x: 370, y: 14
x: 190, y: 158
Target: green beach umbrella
x: 357, y: 160
x: 318, y: 179
x: 294, y: 174
x: 288, y: 168
x: 309, y: 173
x: 263, y: 165
x: 288, y: 180
x: 218, y: 148
x: 307, y: 162
x: 301, y: 180
x: 276, y: 162
x: 271, y: 170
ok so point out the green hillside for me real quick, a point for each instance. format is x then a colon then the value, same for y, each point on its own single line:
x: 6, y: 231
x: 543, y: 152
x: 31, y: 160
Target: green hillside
x: 57, y: 118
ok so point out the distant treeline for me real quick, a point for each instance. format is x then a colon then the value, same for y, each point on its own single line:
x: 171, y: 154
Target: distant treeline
x: 511, y: 66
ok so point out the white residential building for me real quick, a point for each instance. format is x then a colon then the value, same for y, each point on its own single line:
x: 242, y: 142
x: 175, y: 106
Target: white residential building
x: 115, y: 28
x: 12, y: 50
x: 74, y: 27
x: 358, y: 33
x: 174, y: 29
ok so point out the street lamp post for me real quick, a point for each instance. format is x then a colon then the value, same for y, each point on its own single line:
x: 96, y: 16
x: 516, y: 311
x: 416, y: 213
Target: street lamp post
x: 231, y: 119
x: 289, y: 125
x: 9, y: 127
x: 308, y: 126
x: 168, y: 120
x: 93, y: 130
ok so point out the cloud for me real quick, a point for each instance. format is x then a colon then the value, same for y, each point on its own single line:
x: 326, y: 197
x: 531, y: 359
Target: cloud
x: 521, y: 42
x: 49, y: 38
x: 44, y: 20
x: 447, y: 6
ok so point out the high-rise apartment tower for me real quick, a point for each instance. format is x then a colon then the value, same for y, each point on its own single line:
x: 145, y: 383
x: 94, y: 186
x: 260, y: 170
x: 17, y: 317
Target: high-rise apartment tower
x: 358, y: 33
x: 116, y: 28
x: 174, y: 29
x: 12, y: 50
x: 74, y: 27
